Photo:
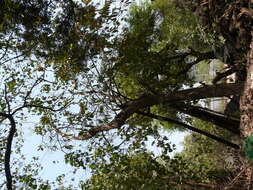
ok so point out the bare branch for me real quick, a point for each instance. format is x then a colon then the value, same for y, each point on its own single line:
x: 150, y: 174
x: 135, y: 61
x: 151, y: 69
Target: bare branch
x: 12, y: 58
x: 31, y: 89
x: 7, y: 46
x: 5, y: 51
x: 106, y: 140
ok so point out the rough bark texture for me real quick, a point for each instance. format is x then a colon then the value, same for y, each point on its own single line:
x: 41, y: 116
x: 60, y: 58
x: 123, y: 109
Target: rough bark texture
x: 246, y: 108
x: 246, y: 104
x: 234, y: 21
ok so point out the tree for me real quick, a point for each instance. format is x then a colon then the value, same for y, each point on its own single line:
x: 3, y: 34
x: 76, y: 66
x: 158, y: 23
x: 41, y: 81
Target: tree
x: 95, y: 84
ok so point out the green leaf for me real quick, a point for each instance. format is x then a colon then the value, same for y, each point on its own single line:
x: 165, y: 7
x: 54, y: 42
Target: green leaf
x: 11, y: 85
x: 248, y: 147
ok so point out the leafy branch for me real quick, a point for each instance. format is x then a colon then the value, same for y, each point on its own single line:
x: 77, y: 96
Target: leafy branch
x: 150, y: 100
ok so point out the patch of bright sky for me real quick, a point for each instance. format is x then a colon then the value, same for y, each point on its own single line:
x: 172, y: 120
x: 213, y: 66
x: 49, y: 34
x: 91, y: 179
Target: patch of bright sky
x: 52, y: 161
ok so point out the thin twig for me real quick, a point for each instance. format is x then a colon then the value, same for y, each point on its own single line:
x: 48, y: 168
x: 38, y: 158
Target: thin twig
x: 31, y: 89
x: 108, y: 142
x: 12, y: 58
x: 39, y: 106
x: 7, y: 47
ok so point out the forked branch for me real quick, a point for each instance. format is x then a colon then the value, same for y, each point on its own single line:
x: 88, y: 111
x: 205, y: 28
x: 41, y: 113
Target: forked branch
x: 150, y: 100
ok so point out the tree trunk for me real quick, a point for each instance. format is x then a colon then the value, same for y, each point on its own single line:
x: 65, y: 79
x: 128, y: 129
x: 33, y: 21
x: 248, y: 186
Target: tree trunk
x: 246, y: 102
x: 246, y: 107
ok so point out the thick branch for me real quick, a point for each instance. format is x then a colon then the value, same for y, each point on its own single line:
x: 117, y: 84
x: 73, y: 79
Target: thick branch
x: 200, y: 57
x: 224, y: 74
x: 7, y: 155
x: 151, y: 100
x: 209, y: 91
x: 219, y: 120
x: 218, y: 139
x: 246, y: 102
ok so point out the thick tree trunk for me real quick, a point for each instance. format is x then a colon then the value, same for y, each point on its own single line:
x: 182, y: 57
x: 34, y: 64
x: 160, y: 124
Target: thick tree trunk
x: 246, y: 107
x: 246, y: 102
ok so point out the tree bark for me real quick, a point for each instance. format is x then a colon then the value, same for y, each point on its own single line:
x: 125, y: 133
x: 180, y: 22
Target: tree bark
x: 246, y: 102
x: 246, y: 108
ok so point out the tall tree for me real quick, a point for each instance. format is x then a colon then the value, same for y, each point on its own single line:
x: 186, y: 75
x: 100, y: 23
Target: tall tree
x: 97, y: 78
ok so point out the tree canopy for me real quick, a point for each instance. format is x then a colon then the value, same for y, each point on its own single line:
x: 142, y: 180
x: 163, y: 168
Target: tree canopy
x: 118, y: 76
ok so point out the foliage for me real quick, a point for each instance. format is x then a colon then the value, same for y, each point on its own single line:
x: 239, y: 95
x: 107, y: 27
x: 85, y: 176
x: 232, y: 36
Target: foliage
x: 143, y: 171
x: 200, y: 162
x: 205, y: 156
x: 138, y: 171
x: 67, y: 33
x: 86, y: 71
x: 153, y: 54
x: 146, y: 52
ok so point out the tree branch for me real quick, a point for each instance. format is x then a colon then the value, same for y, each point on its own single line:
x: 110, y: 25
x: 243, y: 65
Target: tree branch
x: 219, y: 120
x: 208, y: 91
x: 218, y: 139
x: 7, y: 155
x: 200, y: 57
x: 7, y: 47
x: 29, y: 92
x: 39, y: 106
x: 224, y: 74
x: 7, y: 99
x: 150, y: 100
